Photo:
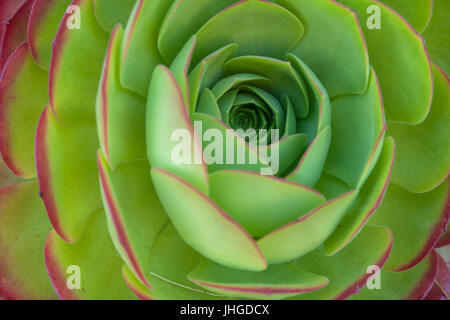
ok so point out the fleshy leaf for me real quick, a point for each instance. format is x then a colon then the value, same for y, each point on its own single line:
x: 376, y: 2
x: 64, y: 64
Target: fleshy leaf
x: 263, y: 34
x: 320, y: 107
x: 232, y: 81
x: 138, y: 288
x: 286, y: 81
x: 402, y: 64
x: 204, y: 226
x: 9, y: 7
x: 423, y: 155
x: 441, y: 287
x: 438, y: 44
x: 208, y: 104
x: 307, y: 232
x: 93, y: 258
x: 67, y: 172
x: 260, y: 203
x: 111, y: 12
x: 412, y: 284
x: 348, y: 270
x: 43, y: 23
x: 310, y: 166
x: 276, y: 282
x: 358, y: 133
x: 120, y: 112
x: 416, y: 12
x: 167, y: 116
x: 20, y: 110
x: 369, y: 199
x: 140, y: 54
x: 14, y: 31
x: 73, y: 90
x: 24, y: 226
x: 182, y: 20
x: 207, y: 72
x: 135, y: 216
x: 427, y: 216
x: 171, y: 260
x: 333, y: 45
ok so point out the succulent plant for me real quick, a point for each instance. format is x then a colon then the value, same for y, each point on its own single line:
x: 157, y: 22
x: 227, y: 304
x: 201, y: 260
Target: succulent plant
x: 92, y: 94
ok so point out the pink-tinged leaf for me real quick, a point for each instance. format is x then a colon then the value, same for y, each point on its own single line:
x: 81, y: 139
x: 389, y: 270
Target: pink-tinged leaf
x: 167, y: 114
x: 140, y: 54
x: 23, y: 228
x: 412, y: 284
x: 422, y: 161
x: 445, y: 238
x: 441, y: 286
x: 20, y: 110
x: 347, y: 270
x: 134, y: 212
x: 139, y: 289
x: 68, y: 174
x: 92, y: 259
x: 369, y: 199
x: 15, y: 31
x: 306, y: 233
x: 9, y: 7
x: 45, y: 18
x: 276, y: 282
x: 417, y: 221
x: 204, y: 225
x: 73, y: 90
x: 120, y: 112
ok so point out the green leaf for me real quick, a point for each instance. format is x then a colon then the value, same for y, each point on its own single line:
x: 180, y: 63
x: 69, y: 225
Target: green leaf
x: 358, y: 133
x: 208, y: 104
x: 235, y: 80
x: 204, y: 226
x: 120, y: 112
x: 319, y: 115
x: 207, y: 72
x: 166, y: 115
x: 139, y: 52
x: 286, y: 81
x: 263, y: 34
x: 405, y: 79
x: 307, y: 232
x: 180, y: 66
x: 369, y: 199
x: 438, y: 44
x: 182, y: 20
x: 423, y: 157
x: 416, y: 12
x: 426, y: 215
x: 171, y: 260
x: 97, y: 260
x: 309, y: 168
x: 333, y: 45
x: 412, y: 284
x: 135, y: 215
x: 276, y: 282
x: 348, y: 270
x: 20, y: 110
x: 111, y: 12
x: 43, y: 23
x: 67, y: 173
x: 24, y: 226
x: 73, y: 90
x: 260, y: 203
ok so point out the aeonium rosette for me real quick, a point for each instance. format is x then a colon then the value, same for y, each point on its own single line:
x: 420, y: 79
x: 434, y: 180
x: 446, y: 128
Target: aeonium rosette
x: 238, y: 149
